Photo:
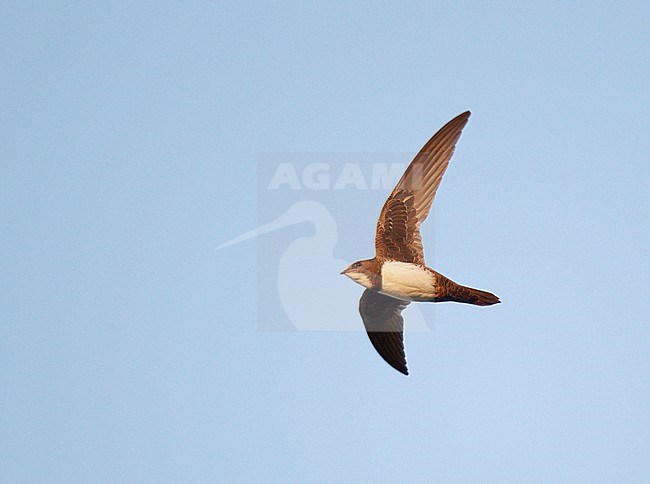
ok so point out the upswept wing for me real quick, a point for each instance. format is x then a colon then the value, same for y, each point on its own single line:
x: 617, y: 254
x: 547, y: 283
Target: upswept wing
x: 398, y: 228
x: 382, y: 317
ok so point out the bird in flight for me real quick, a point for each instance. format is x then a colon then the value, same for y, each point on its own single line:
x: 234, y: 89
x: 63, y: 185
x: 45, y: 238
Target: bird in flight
x: 398, y: 274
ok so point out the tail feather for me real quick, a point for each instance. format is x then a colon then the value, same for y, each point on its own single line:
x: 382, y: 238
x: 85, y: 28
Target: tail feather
x: 448, y: 290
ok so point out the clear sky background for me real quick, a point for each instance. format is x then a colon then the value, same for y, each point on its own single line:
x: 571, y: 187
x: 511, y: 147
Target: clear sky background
x: 129, y: 349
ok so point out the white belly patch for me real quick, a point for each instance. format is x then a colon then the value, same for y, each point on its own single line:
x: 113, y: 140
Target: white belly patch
x: 407, y: 281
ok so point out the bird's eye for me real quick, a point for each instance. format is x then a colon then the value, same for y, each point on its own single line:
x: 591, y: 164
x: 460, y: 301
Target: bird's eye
x: 357, y: 264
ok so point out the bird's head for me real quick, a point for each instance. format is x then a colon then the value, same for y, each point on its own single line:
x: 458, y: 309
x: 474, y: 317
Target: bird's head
x: 363, y: 272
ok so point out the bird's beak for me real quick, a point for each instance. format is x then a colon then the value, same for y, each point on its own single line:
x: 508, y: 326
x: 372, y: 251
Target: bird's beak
x: 343, y: 272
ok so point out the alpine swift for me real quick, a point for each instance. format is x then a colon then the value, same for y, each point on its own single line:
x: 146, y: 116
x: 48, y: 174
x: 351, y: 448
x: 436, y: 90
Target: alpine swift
x: 398, y: 274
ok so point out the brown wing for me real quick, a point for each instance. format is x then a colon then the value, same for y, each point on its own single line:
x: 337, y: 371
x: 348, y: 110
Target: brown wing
x: 382, y: 317
x: 398, y: 228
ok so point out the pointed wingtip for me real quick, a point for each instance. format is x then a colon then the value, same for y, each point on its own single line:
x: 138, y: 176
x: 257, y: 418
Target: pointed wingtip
x: 402, y: 369
x: 461, y: 120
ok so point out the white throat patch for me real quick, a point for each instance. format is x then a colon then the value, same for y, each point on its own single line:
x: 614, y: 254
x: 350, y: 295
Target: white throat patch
x: 360, y: 278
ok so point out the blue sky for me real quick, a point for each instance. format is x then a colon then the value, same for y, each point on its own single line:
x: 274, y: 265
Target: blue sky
x: 131, y: 134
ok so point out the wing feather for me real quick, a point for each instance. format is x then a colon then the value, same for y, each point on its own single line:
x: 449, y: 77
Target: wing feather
x: 398, y: 228
x: 382, y: 317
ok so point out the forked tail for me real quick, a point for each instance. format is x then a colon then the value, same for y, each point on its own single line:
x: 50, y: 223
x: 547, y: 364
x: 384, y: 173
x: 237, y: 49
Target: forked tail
x: 448, y: 290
